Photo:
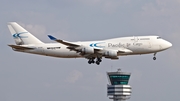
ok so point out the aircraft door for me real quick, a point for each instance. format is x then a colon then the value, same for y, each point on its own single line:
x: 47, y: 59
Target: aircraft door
x: 149, y: 46
x: 136, y: 39
x: 40, y: 50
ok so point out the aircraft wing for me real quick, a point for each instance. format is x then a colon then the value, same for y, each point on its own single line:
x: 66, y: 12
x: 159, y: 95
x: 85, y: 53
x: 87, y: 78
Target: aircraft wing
x: 77, y: 47
x: 20, y: 47
x: 71, y: 46
x: 64, y: 42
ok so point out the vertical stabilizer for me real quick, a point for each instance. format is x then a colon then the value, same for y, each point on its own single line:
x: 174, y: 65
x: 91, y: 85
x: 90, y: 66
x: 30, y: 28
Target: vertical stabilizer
x: 22, y: 36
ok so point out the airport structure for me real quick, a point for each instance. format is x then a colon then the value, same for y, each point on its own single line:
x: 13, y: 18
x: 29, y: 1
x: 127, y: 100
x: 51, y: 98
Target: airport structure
x: 118, y: 88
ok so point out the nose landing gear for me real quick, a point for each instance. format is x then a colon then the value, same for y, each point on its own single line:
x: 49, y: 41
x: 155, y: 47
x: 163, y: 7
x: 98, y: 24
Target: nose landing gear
x: 154, y: 58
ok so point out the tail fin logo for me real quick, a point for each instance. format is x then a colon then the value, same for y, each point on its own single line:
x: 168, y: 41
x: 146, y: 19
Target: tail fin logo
x: 17, y: 35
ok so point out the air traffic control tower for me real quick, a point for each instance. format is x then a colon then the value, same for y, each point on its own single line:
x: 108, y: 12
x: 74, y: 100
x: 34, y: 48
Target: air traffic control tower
x: 118, y: 88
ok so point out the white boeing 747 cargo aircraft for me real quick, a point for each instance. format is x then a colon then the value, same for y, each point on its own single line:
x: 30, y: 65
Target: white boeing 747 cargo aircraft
x: 94, y: 51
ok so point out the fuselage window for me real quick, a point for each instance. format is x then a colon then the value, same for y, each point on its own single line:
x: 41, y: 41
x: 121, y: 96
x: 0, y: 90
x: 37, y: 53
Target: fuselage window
x: 158, y: 37
x: 145, y: 39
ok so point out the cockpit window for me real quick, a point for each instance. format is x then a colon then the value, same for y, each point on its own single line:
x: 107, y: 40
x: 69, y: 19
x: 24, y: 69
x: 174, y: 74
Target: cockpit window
x: 158, y: 37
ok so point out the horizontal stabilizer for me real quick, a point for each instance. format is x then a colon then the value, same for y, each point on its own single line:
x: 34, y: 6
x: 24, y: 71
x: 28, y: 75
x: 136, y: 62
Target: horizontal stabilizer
x: 20, y: 47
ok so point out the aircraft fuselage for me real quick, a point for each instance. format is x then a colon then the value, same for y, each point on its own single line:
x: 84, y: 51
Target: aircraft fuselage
x: 137, y: 44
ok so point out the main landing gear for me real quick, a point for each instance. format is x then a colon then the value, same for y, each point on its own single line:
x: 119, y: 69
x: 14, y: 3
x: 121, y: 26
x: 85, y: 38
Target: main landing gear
x: 91, y: 60
x: 154, y: 58
x: 98, y: 61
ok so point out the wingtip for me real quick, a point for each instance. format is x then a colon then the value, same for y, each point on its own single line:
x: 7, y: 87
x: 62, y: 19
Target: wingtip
x: 51, y: 37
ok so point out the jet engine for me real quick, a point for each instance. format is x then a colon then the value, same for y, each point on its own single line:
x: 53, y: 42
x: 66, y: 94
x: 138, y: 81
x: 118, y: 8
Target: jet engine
x: 110, y: 53
x: 87, y: 50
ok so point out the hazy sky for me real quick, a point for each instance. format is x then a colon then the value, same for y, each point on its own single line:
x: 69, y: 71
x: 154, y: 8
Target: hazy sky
x: 26, y: 77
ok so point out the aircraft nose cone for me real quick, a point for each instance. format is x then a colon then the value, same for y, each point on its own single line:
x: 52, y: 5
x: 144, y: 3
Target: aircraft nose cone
x: 168, y: 45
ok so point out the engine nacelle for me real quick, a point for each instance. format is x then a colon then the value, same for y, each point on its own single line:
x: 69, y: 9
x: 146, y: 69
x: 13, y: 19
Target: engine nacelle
x: 110, y: 53
x: 87, y: 50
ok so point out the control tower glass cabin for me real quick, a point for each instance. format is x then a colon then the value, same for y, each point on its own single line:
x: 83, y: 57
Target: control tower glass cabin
x: 118, y: 78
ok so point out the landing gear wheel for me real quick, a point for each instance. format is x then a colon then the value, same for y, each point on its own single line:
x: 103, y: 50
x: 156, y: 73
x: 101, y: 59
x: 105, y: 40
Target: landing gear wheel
x: 99, y: 59
x: 97, y: 62
x: 89, y: 62
x: 154, y: 58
